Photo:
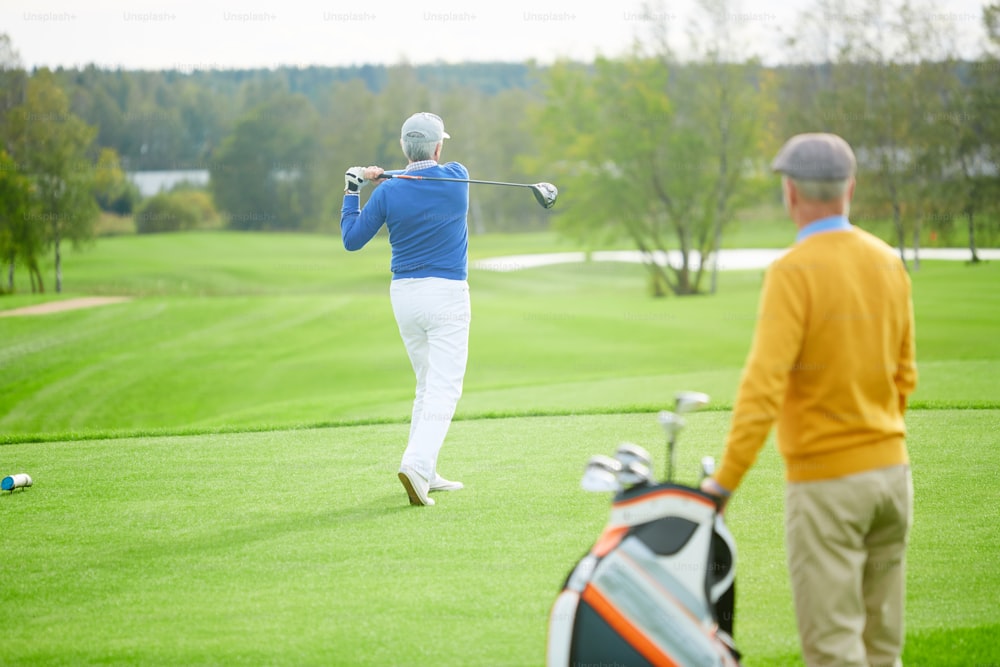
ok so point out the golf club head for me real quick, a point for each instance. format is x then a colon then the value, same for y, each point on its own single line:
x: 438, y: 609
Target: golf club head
x: 545, y: 194
x: 707, y: 466
x: 601, y: 475
x: 636, y: 464
x: 689, y: 401
x: 628, y: 452
x: 635, y: 473
x: 671, y: 422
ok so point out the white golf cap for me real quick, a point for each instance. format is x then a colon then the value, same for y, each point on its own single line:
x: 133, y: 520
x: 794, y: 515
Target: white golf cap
x: 424, y: 127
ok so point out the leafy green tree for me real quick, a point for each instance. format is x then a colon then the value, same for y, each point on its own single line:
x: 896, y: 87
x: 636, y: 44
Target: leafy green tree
x: 890, y: 81
x: 984, y: 104
x: 350, y: 132
x: 269, y: 174
x: 19, y: 238
x: 492, y: 136
x: 16, y: 239
x: 403, y: 94
x: 952, y: 143
x: 12, y: 83
x: 880, y: 115
x: 489, y: 134
x: 50, y: 144
x: 653, y: 150
x: 112, y: 189
x: 955, y: 133
x: 723, y: 97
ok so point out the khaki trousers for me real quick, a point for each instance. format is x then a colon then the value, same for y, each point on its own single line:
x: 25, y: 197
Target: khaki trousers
x: 846, y: 543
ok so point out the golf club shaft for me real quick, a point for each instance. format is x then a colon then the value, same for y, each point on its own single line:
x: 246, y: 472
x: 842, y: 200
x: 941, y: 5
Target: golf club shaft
x: 454, y: 180
x: 670, y: 459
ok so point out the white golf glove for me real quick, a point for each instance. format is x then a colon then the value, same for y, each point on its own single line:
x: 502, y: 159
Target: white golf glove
x: 354, y: 179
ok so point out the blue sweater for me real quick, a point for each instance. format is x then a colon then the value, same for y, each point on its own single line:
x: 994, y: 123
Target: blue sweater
x: 427, y: 222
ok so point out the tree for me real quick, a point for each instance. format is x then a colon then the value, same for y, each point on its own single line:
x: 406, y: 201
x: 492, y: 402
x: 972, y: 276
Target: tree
x: 112, y: 190
x: 269, y: 174
x: 889, y: 79
x: 726, y: 101
x: 983, y: 104
x: 350, y: 134
x: 19, y: 238
x: 960, y: 139
x: 580, y: 127
x: 956, y: 130
x: 880, y: 113
x: 51, y: 144
x: 490, y: 136
x: 655, y: 150
x: 15, y: 189
x: 12, y: 83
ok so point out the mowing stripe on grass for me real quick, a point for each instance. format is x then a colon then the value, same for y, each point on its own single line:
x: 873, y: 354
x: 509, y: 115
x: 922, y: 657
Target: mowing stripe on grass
x: 14, y: 439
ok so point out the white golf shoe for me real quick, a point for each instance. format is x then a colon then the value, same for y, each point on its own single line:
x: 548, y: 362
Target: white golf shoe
x: 417, y: 487
x: 442, y: 484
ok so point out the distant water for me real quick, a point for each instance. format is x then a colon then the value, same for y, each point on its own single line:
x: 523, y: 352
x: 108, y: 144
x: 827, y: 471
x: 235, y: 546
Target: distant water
x: 152, y: 182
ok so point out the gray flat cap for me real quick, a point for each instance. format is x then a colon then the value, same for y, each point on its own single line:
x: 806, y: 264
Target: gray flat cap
x: 816, y: 157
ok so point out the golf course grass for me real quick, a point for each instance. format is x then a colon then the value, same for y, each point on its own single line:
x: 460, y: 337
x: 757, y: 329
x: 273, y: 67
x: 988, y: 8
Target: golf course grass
x: 214, y: 460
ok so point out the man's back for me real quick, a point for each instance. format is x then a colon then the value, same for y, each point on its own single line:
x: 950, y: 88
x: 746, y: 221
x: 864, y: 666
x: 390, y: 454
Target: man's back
x: 427, y: 222
x: 848, y: 295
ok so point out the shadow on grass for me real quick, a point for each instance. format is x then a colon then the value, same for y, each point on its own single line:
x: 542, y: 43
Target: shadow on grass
x: 285, y: 529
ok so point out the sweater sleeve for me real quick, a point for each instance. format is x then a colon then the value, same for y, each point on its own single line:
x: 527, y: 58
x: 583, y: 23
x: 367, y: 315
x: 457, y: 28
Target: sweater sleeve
x: 358, y: 226
x: 777, y: 341
x: 906, y: 366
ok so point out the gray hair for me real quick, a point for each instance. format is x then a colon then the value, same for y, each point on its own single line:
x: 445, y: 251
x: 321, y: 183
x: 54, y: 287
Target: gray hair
x: 416, y: 151
x: 821, y: 190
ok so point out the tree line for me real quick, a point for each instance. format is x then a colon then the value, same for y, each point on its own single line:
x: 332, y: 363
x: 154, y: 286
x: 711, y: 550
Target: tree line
x: 646, y: 146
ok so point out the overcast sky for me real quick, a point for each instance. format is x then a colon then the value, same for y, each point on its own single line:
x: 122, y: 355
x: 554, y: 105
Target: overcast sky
x: 212, y: 34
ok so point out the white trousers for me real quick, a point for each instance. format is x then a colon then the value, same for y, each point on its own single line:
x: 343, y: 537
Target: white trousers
x: 433, y: 315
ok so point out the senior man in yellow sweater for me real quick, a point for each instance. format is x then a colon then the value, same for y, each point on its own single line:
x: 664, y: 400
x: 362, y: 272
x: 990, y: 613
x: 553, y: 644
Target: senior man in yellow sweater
x: 833, y: 361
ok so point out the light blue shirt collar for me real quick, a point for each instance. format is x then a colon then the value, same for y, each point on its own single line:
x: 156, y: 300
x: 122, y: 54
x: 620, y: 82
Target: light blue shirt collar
x: 835, y: 223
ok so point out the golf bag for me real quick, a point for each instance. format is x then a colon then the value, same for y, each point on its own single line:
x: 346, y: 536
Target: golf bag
x: 657, y: 588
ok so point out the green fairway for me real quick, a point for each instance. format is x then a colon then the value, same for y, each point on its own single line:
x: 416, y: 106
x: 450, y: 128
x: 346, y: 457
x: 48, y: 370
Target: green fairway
x: 239, y: 332
x: 214, y: 460
x: 298, y: 547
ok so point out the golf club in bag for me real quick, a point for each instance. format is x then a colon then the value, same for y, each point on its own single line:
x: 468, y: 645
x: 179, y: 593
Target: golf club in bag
x: 658, y: 585
x: 545, y: 193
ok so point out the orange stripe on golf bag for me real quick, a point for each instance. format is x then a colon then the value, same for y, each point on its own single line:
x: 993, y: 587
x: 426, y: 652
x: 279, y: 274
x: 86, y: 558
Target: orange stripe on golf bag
x: 608, y: 540
x: 635, y: 637
x: 708, y: 630
x: 689, y: 495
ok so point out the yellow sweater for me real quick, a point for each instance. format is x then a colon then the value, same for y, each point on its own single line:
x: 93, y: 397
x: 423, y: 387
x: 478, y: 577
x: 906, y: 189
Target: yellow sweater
x: 832, y: 360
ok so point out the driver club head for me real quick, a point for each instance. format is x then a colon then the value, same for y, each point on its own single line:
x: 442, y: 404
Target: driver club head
x: 545, y: 194
x: 601, y: 475
x: 689, y: 401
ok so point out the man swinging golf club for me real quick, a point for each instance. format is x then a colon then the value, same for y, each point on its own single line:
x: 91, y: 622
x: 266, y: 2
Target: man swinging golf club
x: 428, y: 232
